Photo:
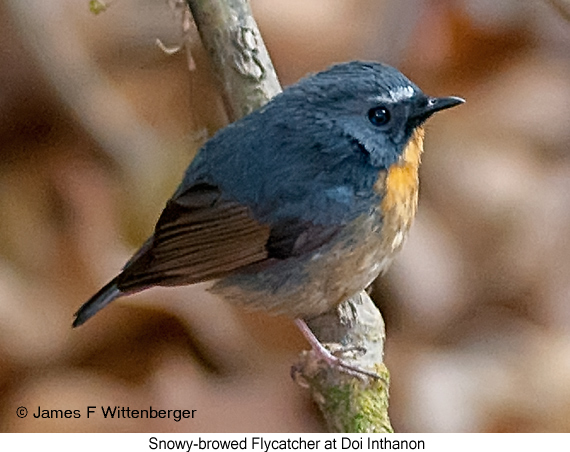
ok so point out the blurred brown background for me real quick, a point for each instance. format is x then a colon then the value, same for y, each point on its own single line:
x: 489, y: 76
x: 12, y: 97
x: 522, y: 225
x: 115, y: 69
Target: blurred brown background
x: 97, y: 124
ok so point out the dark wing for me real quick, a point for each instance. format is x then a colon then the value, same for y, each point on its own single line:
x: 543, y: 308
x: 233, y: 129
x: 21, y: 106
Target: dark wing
x: 199, y: 236
x: 295, y: 238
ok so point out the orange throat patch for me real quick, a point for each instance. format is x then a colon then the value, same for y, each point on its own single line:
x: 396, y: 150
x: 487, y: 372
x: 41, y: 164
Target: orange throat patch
x: 401, y: 182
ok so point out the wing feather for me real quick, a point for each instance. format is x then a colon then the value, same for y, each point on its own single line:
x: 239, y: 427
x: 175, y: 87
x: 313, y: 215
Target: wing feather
x: 199, y: 236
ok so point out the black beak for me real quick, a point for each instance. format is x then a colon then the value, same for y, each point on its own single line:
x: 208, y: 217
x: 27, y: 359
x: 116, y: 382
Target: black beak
x: 434, y: 104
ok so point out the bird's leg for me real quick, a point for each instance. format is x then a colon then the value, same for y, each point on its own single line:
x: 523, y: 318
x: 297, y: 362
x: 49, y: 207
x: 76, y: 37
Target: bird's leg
x: 323, y: 353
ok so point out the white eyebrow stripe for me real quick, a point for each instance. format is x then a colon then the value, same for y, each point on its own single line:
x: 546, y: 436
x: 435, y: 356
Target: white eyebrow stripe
x: 400, y: 93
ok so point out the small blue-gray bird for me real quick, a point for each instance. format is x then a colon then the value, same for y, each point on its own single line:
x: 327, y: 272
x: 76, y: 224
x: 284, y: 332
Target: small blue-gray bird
x: 297, y: 206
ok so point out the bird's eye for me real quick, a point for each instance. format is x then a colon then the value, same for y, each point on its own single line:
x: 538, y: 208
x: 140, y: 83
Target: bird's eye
x: 379, y: 116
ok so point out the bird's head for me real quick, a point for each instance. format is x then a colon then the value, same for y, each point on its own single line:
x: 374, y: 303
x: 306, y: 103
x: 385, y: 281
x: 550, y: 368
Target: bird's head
x: 374, y: 105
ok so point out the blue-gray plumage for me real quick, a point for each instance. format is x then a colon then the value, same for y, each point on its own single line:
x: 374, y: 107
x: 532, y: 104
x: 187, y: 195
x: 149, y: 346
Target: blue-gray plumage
x: 300, y: 204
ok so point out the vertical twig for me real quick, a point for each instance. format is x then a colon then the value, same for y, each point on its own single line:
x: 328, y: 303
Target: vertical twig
x: 350, y: 403
x: 239, y: 57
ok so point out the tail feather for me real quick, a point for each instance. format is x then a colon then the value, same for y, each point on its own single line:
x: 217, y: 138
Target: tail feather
x: 97, y: 302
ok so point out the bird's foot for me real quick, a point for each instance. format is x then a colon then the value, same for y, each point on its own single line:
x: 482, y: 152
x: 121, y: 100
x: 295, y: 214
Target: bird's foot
x: 324, y: 354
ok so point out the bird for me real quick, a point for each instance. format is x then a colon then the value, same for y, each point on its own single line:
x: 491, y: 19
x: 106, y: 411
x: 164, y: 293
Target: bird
x: 297, y: 206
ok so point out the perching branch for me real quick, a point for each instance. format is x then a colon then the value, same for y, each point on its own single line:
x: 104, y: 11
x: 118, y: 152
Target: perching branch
x: 237, y: 52
x: 349, y: 403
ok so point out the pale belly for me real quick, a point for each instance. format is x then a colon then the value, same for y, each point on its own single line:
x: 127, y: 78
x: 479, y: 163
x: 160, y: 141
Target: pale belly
x: 313, y: 284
